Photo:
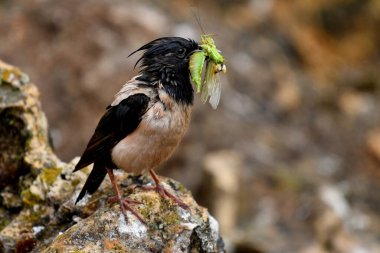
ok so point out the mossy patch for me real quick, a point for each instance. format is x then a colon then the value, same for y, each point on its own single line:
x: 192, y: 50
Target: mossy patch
x: 29, y: 198
x: 147, y: 207
x: 170, y: 216
x: 4, y: 218
x: 13, y: 75
x: 76, y: 251
x: 49, y: 175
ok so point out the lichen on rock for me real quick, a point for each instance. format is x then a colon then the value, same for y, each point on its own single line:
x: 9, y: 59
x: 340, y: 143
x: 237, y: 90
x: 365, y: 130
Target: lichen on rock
x: 168, y: 228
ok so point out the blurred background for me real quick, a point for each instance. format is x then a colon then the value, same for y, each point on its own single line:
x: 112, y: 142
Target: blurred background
x: 289, y: 162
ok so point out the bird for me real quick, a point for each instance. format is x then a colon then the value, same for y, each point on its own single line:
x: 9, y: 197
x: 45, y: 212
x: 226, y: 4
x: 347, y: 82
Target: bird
x: 145, y: 122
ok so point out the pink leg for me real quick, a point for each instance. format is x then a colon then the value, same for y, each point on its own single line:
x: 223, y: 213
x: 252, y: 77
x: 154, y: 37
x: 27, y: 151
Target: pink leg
x: 161, y: 190
x: 125, y: 203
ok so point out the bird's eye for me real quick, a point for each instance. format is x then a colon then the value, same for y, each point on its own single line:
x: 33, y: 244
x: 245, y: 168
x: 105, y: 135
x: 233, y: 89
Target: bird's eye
x: 181, y: 52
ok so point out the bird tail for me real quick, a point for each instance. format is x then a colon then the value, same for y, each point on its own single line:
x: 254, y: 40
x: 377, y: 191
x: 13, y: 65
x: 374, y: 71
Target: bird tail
x: 93, y: 181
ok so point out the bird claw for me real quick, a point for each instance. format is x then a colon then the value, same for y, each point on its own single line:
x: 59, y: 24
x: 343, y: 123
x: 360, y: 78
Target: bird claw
x: 126, y: 204
x: 126, y: 201
x: 164, y: 194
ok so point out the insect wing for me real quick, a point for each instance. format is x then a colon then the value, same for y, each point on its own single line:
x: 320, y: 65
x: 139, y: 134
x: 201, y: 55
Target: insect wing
x: 216, y: 91
x: 204, y: 91
x: 211, y: 88
x: 214, y: 86
x: 206, y: 84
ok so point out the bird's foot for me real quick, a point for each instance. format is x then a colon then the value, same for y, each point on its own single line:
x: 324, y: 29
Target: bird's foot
x: 126, y: 204
x: 164, y: 194
x: 162, y: 191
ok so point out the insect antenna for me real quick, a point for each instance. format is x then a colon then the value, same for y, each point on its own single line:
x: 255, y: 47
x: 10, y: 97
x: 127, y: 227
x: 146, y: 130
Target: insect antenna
x: 197, y: 17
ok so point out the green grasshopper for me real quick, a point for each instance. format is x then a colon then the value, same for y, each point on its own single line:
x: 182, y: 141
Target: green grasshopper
x: 210, y: 87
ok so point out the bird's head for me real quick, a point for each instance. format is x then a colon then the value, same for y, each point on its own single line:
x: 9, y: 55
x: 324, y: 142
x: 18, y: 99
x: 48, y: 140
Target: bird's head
x: 165, y: 61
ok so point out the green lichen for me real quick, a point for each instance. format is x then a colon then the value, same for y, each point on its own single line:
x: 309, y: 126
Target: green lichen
x: 4, y: 218
x: 13, y: 76
x: 35, y: 214
x: 170, y: 216
x: 49, y: 175
x: 75, y: 181
x: 181, y: 188
x: 147, y: 207
x: 76, y: 251
x: 29, y: 198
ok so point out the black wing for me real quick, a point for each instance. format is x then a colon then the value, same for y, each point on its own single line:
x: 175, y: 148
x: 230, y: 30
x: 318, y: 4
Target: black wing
x: 116, y: 123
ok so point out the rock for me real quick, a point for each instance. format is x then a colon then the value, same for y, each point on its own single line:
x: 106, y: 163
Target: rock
x: 95, y: 225
x: 169, y: 228
x: 24, y: 150
x: 38, y: 211
x: 29, y: 169
x: 24, y: 143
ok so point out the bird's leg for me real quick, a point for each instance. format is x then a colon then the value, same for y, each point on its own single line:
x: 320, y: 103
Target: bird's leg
x: 125, y: 203
x: 161, y: 190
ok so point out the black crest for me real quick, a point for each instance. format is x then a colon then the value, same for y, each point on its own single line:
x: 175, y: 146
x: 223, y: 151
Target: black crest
x: 166, y: 61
